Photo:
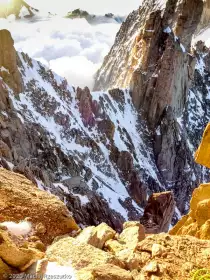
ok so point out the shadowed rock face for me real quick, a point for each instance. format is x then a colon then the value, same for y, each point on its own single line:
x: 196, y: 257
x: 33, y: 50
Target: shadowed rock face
x: 158, y: 212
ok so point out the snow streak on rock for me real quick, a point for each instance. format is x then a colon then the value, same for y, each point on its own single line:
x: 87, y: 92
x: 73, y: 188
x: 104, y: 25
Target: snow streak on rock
x: 43, y: 102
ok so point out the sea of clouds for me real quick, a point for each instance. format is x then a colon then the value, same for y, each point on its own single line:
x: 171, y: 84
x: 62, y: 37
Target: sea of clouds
x: 74, y: 49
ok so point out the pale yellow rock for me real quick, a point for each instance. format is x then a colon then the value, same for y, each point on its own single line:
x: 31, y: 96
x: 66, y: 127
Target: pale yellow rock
x: 131, y: 224
x: 79, y: 254
x: 177, y: 228
x: 202, y: 155
x: 84, y: 274
x: 17, y: 253
x: 111, y: 272
x: 133, y: 260
x: 137, y: 275
x: 86, y: 234
x: 196, y: 223
x: 114, y: 246
x: 132, y: 234
x: 96, y: 236
x: 158, y: 250
x: 151, y: 267
x: 154, y: 277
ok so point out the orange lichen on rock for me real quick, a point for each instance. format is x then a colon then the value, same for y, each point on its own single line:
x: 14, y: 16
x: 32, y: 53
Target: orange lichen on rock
x: 202, y: 156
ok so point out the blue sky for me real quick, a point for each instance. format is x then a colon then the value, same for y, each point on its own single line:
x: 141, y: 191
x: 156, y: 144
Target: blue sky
x: 121, y: 7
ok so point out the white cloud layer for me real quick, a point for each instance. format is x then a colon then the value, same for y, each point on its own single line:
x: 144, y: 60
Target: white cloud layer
x: 72, y: 48
x: 122, y: 7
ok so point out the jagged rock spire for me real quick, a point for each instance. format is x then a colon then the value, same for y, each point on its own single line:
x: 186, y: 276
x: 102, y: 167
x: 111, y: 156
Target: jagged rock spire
x: 150, y: 55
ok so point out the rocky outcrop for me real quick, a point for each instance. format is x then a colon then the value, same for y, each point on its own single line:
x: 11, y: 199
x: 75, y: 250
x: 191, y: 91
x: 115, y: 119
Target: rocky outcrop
x: 20, y: 199
x: 85, y: 106
x: 96, y: 236
x: 15, y: 7
x: 156, y: 257
x: 158, y: 212
x: 157, y: 68
x: 17, y: 253
x: 197, y: 221
x: 96, y: 252
x: 83, y: 257
x: 204, y: 22
x: 132, y: 234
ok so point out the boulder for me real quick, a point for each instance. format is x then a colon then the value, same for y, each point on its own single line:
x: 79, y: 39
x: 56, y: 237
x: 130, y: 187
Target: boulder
x: 158, y: 212
x: 114, y: 246
x: 96, y: 236
x: 17, y: 252
x: 133, y: 232
x: 82, y: 257
x: 112, y: 272
x: 21, y: 199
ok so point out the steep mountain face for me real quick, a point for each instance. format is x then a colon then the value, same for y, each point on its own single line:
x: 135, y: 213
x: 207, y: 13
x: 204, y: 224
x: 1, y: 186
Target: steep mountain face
x: 168, y: 84
x: 104, y: 152
x: 78, y: 145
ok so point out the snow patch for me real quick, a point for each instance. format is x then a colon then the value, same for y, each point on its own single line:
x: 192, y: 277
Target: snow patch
x: 22, y: 228
x: 83, y: 199
x: 167, y: 30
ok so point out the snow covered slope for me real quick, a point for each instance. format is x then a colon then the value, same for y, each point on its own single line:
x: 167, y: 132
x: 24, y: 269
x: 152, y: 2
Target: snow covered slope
x: 101, y: 132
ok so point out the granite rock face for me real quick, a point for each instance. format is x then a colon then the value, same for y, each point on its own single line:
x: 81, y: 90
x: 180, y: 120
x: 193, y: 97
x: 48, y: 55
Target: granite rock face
x: 76, y: 144
x: 104, y: 153
x: 168, y: 81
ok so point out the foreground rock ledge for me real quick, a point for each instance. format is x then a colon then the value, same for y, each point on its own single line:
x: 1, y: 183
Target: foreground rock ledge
x: 21, y: 199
